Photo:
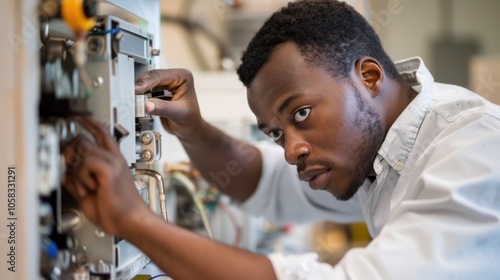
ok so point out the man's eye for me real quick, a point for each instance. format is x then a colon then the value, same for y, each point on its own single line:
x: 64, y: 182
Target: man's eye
x: 275, y: 135
x: 301, y: 115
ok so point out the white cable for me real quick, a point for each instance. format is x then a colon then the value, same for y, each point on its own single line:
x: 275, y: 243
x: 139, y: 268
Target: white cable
x: 161, y: 190
x: 186, y: 183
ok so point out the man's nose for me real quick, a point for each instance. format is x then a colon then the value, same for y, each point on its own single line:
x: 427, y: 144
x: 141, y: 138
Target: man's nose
x: 296, y: 149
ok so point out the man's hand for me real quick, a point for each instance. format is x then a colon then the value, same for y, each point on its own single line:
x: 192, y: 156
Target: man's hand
x: 100, y: 180
x: 180, y: 116
x: 212, y: 151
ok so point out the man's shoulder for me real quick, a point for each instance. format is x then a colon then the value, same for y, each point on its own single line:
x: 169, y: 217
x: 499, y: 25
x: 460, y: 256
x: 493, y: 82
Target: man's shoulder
x: 454, y: 103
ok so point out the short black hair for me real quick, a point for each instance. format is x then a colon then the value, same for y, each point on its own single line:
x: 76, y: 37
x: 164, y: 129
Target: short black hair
x: 328, y: 33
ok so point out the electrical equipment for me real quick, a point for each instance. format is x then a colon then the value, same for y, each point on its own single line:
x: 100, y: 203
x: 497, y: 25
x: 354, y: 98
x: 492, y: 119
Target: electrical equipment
x: 88, y: 67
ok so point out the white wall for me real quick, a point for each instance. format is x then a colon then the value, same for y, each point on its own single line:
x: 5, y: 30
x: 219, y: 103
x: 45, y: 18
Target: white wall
x: 408, y: 27
x: 223, y: 103
x: 19, y: 97
x: 404, y: 28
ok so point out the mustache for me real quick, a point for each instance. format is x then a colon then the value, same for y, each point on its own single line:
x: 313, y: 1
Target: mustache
x: 302, y: 165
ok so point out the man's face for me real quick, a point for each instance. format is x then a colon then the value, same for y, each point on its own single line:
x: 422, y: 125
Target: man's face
x: 329, y: 129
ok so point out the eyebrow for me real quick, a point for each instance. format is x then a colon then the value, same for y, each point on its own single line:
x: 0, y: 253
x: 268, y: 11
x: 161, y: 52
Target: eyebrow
x: 261, y: 126
x: 289, y: 100
x: 283, y: 107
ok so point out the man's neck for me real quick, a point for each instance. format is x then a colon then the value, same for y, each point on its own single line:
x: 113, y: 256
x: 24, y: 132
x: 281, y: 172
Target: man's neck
x: 396, y: 98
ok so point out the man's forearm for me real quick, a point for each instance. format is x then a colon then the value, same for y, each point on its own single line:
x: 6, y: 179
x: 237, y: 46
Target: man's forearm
x: 185, y: 255
x: 232, y: 165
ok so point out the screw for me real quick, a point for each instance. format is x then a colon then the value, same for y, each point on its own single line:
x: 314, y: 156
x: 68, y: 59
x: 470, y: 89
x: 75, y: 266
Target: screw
x: 103, y: 267
x: 155, y: 52
x: 95, y: 45
x: 99, y: 233
x: 146, y: 155
x: 49, y: 8
x: 119, y: 36
x: 97, y: 82
x: 145, y: 139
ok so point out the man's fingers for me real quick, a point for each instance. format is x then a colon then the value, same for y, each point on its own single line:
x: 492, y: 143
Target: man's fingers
x: 79, y: 182
x: 81, y: 153
x: 81, y: 147
x: 150, y: 107
x: 150, y: 79
x: 178, y: 111
x: 100, y: 133
x: 158, y: 107
x: 87, y: 179
x: 75, y: 189
x: 91, y: 174
x: 75, y: 150
x: 170, y: 79
x: 82, y: 191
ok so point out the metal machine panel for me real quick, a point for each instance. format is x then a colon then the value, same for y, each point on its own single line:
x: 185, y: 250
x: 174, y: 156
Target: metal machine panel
x: 92, y: 72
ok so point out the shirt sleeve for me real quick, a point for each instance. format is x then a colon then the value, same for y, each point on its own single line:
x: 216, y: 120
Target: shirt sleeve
x: 447, y: 227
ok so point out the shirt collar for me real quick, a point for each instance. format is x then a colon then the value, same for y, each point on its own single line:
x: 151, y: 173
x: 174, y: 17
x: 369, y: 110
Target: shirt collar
x: 402, y: 134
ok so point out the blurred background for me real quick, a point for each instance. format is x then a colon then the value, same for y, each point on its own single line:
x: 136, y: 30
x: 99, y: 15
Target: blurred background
x: 457, y: 39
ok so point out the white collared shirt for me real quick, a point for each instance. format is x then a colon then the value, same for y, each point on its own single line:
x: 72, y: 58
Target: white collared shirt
x: 434, y: 208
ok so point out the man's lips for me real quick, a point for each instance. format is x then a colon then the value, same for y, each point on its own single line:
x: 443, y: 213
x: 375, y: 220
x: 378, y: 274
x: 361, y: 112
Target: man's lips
x: 317, y: 177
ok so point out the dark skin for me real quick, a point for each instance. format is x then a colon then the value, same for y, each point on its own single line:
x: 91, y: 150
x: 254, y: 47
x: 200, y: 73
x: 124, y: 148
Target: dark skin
x: 330, y: 129
x: 101, y: 183
x: 209, y: 149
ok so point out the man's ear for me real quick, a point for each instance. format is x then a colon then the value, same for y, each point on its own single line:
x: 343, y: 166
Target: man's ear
x: 369, y: 71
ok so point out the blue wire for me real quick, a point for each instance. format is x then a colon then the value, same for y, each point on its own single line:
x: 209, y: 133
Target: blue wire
x: 159, y: 275
x: 112, y: 31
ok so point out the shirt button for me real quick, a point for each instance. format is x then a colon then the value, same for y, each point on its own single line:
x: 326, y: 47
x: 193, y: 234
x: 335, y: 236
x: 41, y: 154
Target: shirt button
x: 399, y: 166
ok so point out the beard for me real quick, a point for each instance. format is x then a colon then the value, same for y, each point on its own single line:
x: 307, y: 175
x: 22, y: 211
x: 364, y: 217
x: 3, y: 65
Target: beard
x: 370, y: 123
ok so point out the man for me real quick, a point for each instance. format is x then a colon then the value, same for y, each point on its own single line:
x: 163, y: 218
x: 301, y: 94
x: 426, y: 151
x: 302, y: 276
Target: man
x: 418, y: 160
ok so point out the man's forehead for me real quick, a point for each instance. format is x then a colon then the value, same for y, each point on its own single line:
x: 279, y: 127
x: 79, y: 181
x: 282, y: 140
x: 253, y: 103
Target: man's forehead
x: 261, y: 106
x: 253, y: 98
x: 284, y: 65
x: 286, y: 73
x: 284, y: 57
